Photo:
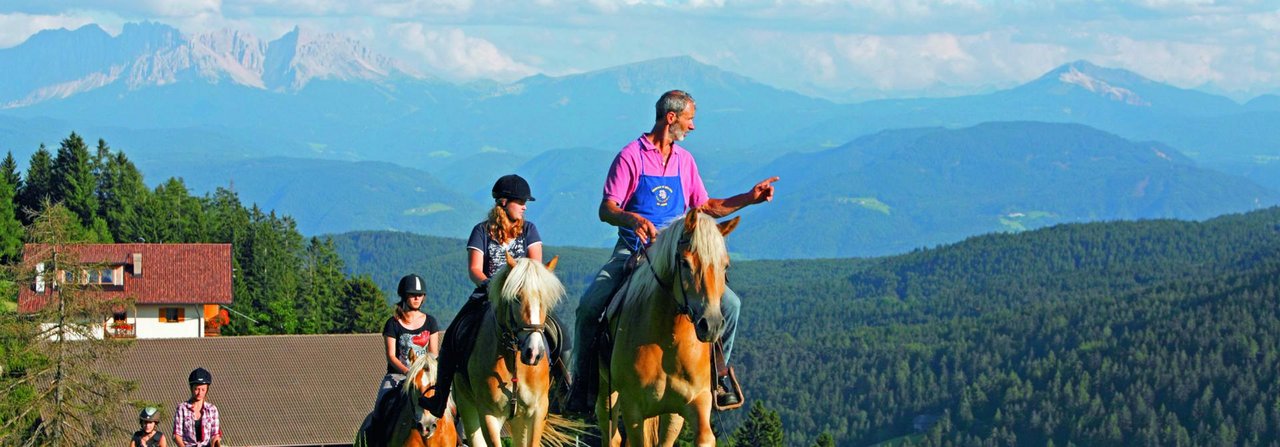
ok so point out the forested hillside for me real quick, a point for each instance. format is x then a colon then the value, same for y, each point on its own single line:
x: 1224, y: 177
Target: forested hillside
x: 1124, y: 333
x: 1129, y: 333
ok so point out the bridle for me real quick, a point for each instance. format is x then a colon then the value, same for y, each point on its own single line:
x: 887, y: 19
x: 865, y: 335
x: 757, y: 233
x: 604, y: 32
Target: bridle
x: 511, y: 329
x: 683, y: 303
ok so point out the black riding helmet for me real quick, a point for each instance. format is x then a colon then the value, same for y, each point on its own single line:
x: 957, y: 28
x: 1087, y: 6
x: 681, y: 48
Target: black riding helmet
x: 150, y: 414
x: 512, y: 186
x: 200, y: 376
x: 411, y: 284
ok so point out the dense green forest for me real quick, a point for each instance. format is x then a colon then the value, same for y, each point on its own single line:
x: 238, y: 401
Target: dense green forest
x: 1157, y: 333
x: 284, y: 283
x: 1153, y: 333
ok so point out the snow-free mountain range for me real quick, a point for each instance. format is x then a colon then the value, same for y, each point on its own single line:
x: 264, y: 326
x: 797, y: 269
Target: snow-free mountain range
x: 320, y: 127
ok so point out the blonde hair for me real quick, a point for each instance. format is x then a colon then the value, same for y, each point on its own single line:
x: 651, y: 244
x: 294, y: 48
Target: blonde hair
x: 500, y: 226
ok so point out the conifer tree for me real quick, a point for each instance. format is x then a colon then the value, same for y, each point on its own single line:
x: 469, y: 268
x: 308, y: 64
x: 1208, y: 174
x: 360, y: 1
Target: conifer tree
x: 321, y: 290
x: 763, y: 428
x: 67, y: 399
x: 10, y: 226
x: 73, y: 182
x: 825, y: 440
x: 38, y: 186
x: 364, y: 307
x: 122, y: 194
x: 9, y: 169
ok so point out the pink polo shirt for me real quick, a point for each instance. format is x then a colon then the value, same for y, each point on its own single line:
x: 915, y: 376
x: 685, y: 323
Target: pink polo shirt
x: 625, y: 172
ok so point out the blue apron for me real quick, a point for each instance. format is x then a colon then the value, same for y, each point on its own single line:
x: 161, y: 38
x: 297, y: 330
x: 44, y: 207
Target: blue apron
x: 656, y: 198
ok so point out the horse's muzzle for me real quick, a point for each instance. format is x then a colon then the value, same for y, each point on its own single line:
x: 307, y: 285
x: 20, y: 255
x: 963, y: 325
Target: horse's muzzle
x: 708, y: 328
x: 533, y: 349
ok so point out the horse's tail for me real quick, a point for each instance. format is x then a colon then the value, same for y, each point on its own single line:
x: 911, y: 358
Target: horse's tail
x: 562, y: 432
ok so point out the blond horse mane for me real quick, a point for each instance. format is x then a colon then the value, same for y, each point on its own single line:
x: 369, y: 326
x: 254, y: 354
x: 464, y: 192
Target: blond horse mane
x: 706, y: 244
x: 528, y: 278
x: 424, y: 361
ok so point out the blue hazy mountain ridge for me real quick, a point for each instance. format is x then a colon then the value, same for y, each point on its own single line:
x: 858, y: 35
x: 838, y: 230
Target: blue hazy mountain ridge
x: 330, y: 196
x: 178, y: 111
x: 1118, y: 101
x: 899, y: 190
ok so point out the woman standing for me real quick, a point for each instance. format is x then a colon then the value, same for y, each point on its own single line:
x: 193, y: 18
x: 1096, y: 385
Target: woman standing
x: 196, y: 423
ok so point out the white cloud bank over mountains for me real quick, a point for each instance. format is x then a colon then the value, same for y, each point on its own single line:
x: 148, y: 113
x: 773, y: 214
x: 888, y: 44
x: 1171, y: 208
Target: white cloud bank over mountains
x: 843, y: 49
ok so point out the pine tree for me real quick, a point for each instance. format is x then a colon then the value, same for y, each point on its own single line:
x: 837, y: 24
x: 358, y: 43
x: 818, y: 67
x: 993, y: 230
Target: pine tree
x: 825, y: 440
x: 10, y: 226
x: 763, y: 428
x: 9, y: 169
x: 67, y: 400
x: 364, y: 307
x: 321, y: 290
x: 74, y: 184
x: 121, y: 196
x: 38, y: 187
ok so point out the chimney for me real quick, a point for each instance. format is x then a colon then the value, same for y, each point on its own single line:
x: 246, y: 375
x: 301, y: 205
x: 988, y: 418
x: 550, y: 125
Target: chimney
x: 137, y: 264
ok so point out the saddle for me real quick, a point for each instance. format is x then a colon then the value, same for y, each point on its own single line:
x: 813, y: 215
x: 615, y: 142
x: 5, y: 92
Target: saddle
x: 383, y: 422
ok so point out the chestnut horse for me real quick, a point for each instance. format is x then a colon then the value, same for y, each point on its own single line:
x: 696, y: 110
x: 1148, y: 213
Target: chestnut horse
x: 507, y: 378
x: 659, y: 372
x: 414, y: 426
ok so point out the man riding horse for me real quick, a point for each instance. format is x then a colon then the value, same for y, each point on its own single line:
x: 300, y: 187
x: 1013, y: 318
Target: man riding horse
x: 651, y: 184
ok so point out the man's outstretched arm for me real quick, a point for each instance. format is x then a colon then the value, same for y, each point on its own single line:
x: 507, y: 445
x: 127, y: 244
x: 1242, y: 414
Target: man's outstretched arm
x: 762, y: 192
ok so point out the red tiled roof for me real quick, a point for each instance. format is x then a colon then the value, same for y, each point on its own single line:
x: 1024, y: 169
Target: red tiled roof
x: 171, y: 273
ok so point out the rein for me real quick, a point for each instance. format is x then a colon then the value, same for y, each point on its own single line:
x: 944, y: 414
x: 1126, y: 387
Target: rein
x: 509, y: 337
x: 683, y: 303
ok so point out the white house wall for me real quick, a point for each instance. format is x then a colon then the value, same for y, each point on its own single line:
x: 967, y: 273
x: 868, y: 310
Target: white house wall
x: 149, y: 325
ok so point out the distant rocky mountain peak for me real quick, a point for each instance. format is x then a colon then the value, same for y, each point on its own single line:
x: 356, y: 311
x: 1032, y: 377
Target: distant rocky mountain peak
x: 1100, y: 86
x: 148, y: 54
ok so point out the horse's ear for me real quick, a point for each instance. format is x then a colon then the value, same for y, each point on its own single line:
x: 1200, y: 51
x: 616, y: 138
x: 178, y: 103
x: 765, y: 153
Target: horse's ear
x: 727, y: 226
x: 691, y: 219
x: 511, y: 262
x: 413, y: 356
x: 551, y: 266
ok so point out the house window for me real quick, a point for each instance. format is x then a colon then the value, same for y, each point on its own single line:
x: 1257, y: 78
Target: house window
x: 171, y: 314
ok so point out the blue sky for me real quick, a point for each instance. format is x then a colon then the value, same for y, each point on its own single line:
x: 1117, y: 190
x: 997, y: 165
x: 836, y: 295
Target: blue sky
x: 842, y: 49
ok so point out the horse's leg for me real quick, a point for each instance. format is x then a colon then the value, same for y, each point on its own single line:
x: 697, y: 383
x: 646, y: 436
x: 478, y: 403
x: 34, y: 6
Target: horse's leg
x: 669, y: 426
x: 470, y: 420
x: 701, y: 413
x: 520, y: 431
x: 539, y: 422
x: 493, y: 430
x: 610, y: 434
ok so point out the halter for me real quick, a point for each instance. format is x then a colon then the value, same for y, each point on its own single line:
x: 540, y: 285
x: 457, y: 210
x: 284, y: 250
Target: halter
x: 509, y: 335
x: 683, y: 304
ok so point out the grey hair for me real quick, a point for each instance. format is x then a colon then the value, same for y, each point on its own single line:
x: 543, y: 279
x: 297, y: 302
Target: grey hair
x: 673, y: 101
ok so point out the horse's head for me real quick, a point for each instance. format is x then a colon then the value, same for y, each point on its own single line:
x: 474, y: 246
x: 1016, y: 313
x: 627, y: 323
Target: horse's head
x: 419, y: 385
x: 694, y: 255
x: 522, y: 294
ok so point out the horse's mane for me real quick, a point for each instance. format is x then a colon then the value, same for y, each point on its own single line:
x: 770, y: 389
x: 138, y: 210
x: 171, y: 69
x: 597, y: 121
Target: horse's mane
x: 706, y: 243
x: 527, y: 276
x: 424, y: 361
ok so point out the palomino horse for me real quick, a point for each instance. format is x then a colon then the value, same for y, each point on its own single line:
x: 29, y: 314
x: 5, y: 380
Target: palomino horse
x: 507, y: 377
x: 413, y: 425
x: 659, y: 372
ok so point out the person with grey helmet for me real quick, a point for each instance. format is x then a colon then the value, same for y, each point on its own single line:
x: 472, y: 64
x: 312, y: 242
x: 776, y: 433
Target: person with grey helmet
x: 196, y: 422
x: 147, y: 434
x: 411, y: 328
x: 505, y: 231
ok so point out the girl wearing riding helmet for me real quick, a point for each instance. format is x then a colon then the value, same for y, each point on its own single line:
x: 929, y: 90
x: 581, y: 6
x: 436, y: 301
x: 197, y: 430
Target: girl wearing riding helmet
x: 505, y: 231
x: 147, y: 435
x: 196, y: 422
x: 409, y: 329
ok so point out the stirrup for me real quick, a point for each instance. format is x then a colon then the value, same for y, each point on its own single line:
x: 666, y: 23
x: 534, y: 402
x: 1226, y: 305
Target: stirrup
x: 734, y: 390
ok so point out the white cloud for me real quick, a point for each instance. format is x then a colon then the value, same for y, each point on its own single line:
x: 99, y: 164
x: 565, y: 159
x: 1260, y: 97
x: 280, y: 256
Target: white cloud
x: 17, y: 28
x: 915, y: 62
x: 182, y: 8
x: 452, y: 54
